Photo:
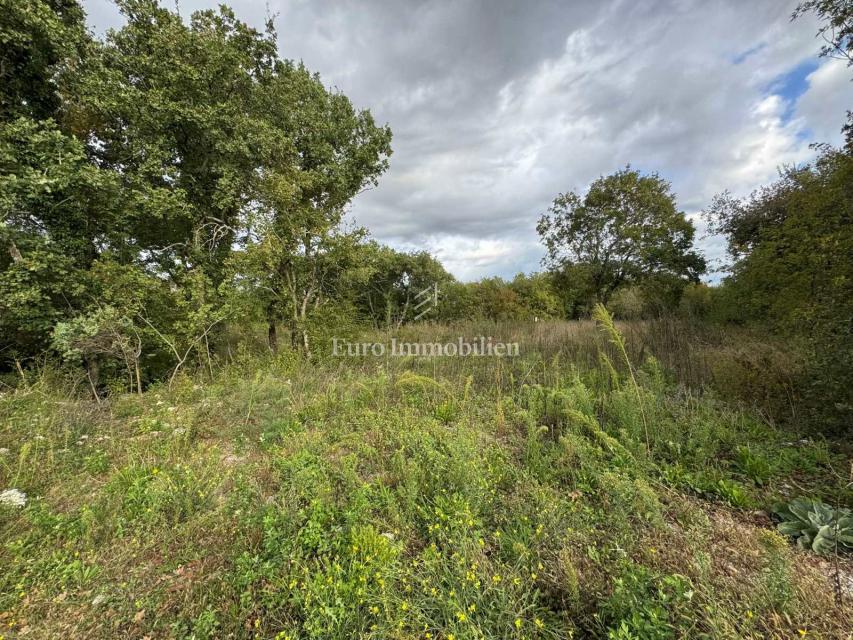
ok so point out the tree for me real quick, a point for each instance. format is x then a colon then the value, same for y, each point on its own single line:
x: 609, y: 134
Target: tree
x: 174, y: 109
x: 297, y: 236
x: 537, y: 296
x: 388, y: 295
x: 496, y: 300
x: 625, y: 230
x: 55, y: 206
x: 791, y: 244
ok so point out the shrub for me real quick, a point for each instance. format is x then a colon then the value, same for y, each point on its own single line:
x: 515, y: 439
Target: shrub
x: 645, y: 605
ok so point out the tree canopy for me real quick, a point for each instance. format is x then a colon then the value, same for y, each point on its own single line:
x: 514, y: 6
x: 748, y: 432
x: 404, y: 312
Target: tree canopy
x: 626, y: 229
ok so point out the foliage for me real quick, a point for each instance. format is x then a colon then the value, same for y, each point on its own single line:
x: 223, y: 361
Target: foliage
x: 626, y: 229
x: 395, y: 278
x: 400, y: 498
x: 35, y: 37
x: 817, y: 526
x: 300, y: 255
x: 791, y: 243
x: 160, y: 149
x: 646, y: 606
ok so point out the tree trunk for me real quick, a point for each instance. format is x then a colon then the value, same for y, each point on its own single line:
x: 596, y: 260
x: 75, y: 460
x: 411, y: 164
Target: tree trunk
x: 138, y: 377
x: 305, y: 346
x: 13, y: 251
x: 272, y: 337
x: 93, y: 371
x: 294, y: 333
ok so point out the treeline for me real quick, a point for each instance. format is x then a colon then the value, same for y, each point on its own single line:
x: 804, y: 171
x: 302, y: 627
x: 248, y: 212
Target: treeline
x: 178, y: 180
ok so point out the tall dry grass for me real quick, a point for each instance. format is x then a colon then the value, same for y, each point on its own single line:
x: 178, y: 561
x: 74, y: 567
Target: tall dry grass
x: 736, y: 363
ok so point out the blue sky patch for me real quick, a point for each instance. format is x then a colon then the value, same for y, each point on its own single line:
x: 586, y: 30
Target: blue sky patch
x: 793, y: 84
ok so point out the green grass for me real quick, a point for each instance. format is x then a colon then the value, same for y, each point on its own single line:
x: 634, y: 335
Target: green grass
x: 405, y: 498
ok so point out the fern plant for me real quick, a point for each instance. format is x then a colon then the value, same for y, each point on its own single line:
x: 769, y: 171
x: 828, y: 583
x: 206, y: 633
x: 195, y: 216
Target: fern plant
x: 817, y: 526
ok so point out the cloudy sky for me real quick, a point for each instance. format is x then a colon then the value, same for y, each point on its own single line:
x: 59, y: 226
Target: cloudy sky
x: 498, y: 105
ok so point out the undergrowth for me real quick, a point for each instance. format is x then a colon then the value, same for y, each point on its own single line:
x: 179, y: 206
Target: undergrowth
x: 391, y: 498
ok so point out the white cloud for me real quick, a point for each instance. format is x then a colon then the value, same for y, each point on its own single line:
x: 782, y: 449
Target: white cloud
x: 469, y: 259
x: 822, y: 109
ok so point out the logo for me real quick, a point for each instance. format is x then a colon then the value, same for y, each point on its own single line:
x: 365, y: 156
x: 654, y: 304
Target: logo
x: 428, y: 301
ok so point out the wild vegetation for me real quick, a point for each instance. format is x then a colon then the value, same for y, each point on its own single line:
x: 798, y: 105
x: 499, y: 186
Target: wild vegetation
x: 556, y: 494
x: 183, y: 456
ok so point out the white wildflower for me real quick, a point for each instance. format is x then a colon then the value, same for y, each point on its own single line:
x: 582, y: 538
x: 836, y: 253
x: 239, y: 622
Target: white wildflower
x: 3, y: 451
x: 13, y: 498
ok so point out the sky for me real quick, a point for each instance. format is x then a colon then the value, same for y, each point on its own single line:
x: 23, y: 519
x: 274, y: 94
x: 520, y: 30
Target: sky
x: 497, y: 106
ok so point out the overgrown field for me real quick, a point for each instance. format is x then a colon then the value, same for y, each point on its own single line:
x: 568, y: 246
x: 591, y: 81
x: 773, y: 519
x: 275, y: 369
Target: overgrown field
x: 557, y: 494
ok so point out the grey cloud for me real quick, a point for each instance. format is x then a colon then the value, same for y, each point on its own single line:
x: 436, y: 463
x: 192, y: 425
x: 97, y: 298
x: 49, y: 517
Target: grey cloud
x: 498, y: 106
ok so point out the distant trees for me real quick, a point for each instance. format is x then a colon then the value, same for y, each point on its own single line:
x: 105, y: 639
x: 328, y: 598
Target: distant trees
x: 626, y: 230
x: 387, y: 296
x: 525, y: 297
